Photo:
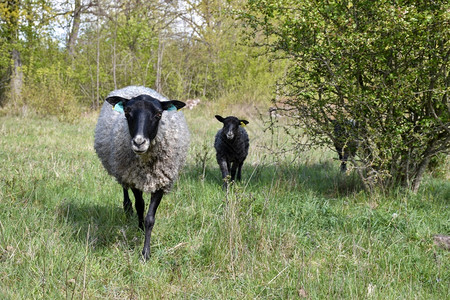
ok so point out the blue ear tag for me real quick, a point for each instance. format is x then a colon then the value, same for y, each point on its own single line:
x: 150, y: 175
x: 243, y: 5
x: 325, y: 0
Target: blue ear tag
x: 118, y: 107
x: 171, y: 108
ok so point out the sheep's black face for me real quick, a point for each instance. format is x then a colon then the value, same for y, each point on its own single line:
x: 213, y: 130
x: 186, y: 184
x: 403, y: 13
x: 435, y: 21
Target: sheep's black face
x: 143, y: 117
x: 230, y: 126
x: 143, y: 114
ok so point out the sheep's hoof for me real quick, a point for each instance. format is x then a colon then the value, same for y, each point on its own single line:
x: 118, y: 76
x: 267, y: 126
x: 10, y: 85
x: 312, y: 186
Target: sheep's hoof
x: 128, y: 211
x: 141, y: 226
x: 145, y: 255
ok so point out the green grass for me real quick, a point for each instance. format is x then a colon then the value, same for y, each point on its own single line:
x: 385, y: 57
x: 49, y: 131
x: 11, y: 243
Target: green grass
x: 291, y: 228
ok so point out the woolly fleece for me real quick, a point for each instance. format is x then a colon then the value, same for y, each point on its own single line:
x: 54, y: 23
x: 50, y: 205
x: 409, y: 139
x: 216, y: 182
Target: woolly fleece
x: 156, y: 169
x: 235, y: 151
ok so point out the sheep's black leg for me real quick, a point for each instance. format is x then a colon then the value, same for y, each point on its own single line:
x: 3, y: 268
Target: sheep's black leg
x: 339, y: 151
x: 127, y: 207
x: 150, y: 221
x: 233, y: 170
x: 224, y: 167
x: 239, y: 170
x: 344, y: 158
x: 139, y: 204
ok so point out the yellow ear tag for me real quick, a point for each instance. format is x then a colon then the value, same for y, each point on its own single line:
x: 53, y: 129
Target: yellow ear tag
x: 242, y: 124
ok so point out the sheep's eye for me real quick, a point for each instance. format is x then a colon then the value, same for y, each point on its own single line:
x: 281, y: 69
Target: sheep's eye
x: 158, y: 116
x: 127, y: 111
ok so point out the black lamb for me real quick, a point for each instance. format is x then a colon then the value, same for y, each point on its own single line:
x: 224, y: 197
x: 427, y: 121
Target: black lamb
x: 231, y: 145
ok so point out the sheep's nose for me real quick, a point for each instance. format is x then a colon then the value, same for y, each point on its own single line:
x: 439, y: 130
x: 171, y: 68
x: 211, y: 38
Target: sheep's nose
x: 139, y: 144
x: 230, y: 135
x: 138, y: 141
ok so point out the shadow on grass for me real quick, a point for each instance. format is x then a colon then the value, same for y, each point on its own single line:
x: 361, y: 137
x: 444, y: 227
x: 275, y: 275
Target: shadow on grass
x: 326, y: 179
x: 438, y: 188
x: 322, y: 178
x: 101, y: 225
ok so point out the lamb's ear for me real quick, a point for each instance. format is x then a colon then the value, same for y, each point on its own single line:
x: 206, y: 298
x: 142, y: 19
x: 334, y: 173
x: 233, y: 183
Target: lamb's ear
x: 170, y: 105
x: 113, y: 100
x: 243, y: 122
x: 219, y: 118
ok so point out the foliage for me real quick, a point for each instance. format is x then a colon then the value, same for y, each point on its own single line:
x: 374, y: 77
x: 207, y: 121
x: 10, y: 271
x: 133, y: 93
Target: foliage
x: 212, y: 62
x: 49, y: 92
x: 24, y: 25
x: 184, y: 49
x: 385, y: 66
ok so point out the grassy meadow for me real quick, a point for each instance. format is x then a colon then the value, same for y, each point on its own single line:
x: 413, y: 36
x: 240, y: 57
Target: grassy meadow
x: 293, y: 228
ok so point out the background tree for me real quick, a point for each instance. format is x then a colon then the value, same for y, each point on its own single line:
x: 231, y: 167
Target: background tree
x: 78, y: 50
x: 22, y: 25
x: 13, y: 75
x: 385, y: 66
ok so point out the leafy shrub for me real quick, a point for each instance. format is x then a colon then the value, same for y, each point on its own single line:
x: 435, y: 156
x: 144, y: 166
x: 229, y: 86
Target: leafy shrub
x: 48, y: 92
x: 383, y: 66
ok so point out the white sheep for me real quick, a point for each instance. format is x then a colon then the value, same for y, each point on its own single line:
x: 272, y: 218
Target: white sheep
x: 142, y: 140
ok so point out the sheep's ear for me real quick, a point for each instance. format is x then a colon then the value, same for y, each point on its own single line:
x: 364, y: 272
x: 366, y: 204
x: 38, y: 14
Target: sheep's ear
x: 170, y: 105
x: 243, y: 122
x: 219, y: 118
x: 113, y: 100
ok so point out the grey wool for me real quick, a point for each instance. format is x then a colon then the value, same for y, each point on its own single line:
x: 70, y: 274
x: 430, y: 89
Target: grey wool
x: 158, y: 167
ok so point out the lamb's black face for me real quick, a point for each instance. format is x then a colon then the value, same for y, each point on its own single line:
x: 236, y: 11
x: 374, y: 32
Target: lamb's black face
x: 230, y: 126
x: 143, y: 114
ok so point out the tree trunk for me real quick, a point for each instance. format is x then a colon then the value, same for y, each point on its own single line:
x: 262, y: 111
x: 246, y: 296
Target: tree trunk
x: 158, y: 83
x: 16, y: 77
x: 75, y: 28
x: 11, y: 29
x: 420, y: 172
x: 97, y: 96
x: 114, y: 55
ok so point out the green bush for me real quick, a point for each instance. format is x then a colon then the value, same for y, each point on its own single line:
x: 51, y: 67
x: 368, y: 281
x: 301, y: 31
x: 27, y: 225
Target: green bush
x: 383, y: 66
x: 48, y: 92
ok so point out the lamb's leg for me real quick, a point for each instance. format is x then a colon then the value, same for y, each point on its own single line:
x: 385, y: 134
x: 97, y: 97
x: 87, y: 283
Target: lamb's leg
x: 239, y: 171
x: 127, y: 207
x: 139, y: 204
x: 233, y: 170
x: 224, y: 167
x: 150, y: 221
